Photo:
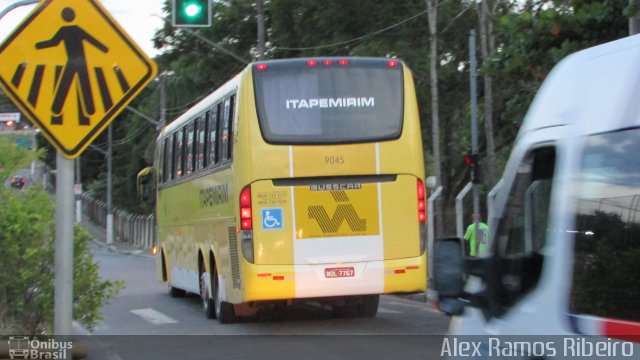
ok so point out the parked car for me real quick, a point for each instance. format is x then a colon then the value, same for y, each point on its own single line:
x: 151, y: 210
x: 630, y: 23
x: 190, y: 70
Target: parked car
x: 18, y: 182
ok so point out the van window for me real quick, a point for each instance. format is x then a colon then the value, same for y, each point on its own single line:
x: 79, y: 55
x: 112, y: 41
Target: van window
x: 607, y: 228
x: 522, y: 230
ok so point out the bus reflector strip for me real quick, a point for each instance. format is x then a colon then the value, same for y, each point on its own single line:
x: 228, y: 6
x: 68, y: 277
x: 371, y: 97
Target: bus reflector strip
x: 264, y: 275
x: 278, y: 277
x: 395, y: 272
x: 413, y: 267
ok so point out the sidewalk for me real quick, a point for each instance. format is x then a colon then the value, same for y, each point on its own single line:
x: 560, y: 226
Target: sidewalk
x: 100, y: 239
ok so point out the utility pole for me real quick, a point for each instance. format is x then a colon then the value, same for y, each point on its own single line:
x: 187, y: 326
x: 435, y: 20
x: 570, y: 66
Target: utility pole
x: 261, y: 41
x: 78, y: 192
x: 109, y: 185
x: 163, y: 101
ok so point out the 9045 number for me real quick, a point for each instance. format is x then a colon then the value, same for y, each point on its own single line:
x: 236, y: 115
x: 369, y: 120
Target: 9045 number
x: 334, y: 160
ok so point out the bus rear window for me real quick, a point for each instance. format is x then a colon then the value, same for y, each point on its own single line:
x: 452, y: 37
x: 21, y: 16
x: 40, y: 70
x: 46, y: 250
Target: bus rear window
x: 304, y: 102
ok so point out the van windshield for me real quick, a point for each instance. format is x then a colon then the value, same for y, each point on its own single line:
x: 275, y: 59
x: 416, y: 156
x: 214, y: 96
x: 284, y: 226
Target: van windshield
x: 323, y: 104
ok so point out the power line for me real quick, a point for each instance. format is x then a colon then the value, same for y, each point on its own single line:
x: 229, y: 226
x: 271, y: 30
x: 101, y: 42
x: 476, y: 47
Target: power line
x: 355, y: 39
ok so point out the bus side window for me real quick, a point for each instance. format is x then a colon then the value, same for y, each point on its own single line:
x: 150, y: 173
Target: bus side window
x: 178, y: 152
x: 225, y: 129
x: 159, y: 162
x: 522, y: 230
x: 168, y: 159
x: 189, y: 148
x: 212, y: 136
x: 200, y: 142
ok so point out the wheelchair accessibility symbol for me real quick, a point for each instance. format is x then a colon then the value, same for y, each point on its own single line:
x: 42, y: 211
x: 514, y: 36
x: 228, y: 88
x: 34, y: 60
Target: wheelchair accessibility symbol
x: 272, y: 219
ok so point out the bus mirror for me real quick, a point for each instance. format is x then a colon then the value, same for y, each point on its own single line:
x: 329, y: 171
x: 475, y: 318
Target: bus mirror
x: 432, y: 182
x: 145, y: 184
x: 449, y: 276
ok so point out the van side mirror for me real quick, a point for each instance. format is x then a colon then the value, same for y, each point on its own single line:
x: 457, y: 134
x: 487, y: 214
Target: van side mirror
x: 449, y: 274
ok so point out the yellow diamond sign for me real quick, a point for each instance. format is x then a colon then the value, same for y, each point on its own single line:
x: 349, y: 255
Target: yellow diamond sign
x: 71, y: 69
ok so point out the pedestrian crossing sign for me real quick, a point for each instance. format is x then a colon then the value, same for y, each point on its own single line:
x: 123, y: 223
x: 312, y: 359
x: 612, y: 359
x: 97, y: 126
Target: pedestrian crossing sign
x: 71, y: 69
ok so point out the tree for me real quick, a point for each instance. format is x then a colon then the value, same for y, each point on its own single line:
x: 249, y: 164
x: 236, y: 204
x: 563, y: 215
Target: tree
x: 27, y: 251
x: 486, y: 11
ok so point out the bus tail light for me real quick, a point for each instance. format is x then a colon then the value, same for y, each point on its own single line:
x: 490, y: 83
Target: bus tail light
x: 246, y: 218
x: 246, y: 224
x: 422, y: 215
x: 393, y: 63
x: 422, y: 203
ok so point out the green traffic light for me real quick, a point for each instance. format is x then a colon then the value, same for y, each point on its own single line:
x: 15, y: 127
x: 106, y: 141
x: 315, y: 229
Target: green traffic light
x: 191, y: 13
x: 192, y: 9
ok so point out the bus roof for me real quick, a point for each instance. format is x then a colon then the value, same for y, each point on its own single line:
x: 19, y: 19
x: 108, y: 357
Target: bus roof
x: 232, y: 84
x: 203, y: 104
x: 594, y: 90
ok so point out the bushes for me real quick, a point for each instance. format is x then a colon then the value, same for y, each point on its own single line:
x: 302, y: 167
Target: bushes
x: 27, y: 265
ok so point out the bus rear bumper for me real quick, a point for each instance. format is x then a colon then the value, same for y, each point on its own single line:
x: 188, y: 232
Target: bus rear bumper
x: 283, y: 282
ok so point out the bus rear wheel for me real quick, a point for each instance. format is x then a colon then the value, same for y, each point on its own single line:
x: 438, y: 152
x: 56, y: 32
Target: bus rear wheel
x: 224, y: 311
x: 174, y: 292
x: 207, y: 302
x: 365, y: 306
x: 368, y: 308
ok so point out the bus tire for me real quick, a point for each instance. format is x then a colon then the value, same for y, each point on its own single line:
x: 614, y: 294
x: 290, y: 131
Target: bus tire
x: 208, y: 304
x: 174, y: 292
x: 368, y: 308
x: 224, y: 311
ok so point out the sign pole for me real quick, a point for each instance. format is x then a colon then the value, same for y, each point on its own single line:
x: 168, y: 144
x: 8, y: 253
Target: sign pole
x: 63, y: 297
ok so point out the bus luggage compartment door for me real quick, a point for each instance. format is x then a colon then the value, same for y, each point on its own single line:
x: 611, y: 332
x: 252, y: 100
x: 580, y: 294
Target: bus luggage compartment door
x: 335, y: 220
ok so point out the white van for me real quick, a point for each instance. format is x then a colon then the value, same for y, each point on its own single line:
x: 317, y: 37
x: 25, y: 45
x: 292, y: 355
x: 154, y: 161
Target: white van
x: 565, y: 247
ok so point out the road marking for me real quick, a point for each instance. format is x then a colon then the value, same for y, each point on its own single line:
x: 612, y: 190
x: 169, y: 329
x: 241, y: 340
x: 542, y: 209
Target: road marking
x: 387, y: 311
x: 154, y: 317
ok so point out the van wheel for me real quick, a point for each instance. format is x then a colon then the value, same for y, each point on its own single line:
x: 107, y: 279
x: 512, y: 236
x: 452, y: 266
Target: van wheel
x: 369, y: 306
x: 174, y: 292
x: 224, y: 311
x: 208, y: 304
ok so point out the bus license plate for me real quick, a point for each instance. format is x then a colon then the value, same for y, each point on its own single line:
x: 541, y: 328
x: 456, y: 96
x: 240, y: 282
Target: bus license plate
x: 339, y: 272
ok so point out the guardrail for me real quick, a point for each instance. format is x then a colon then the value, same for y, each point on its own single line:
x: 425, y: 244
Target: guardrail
x: 134, y: 229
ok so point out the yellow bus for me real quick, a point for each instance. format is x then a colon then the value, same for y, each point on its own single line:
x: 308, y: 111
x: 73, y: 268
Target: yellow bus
x: 299, y: 179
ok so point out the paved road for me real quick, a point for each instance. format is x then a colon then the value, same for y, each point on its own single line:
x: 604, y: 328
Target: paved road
x: 304, y: 331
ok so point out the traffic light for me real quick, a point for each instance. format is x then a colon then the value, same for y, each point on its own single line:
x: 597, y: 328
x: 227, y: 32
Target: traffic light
x: 191, y: 13
x: 472, y: 160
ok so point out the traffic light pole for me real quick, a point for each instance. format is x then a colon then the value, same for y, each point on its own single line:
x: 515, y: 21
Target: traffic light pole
x: 63, y: 295
x: 474, y: 128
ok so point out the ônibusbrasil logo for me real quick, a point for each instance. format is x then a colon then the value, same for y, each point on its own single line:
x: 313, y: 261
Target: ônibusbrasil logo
x: 25, y: 347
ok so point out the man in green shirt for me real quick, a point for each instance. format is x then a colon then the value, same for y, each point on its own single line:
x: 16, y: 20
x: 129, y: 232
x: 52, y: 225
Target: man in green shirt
x: 477, y: 244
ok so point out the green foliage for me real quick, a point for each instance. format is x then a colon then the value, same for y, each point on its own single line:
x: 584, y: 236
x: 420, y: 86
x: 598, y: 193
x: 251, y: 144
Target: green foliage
x: 27, y: 269
x: 12, y: 158
x: 89, y: 292
x: 530, y: 36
